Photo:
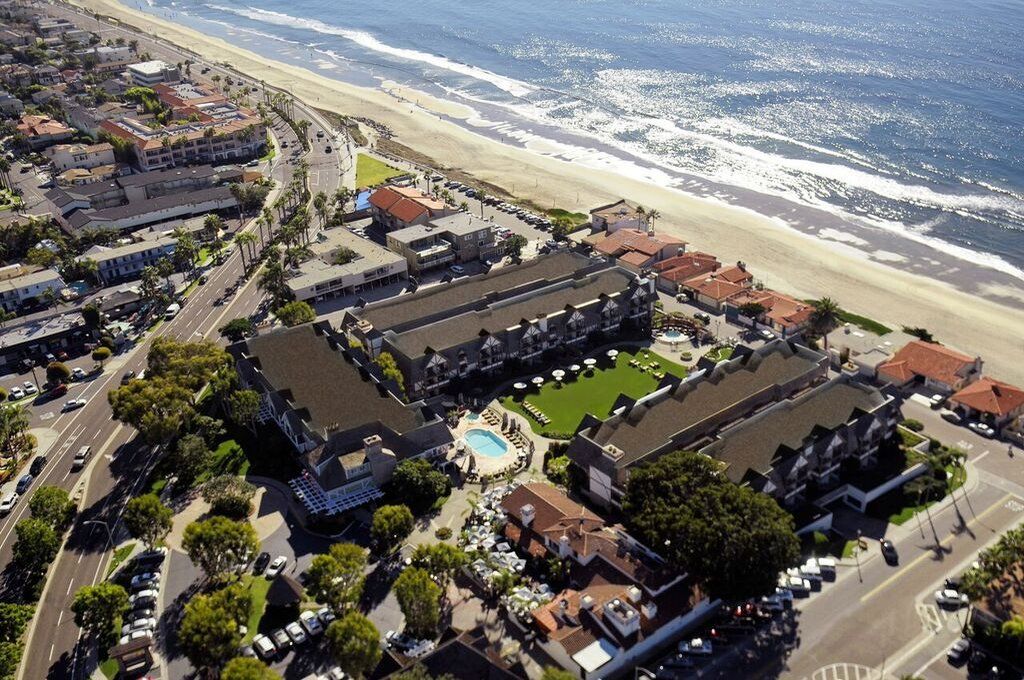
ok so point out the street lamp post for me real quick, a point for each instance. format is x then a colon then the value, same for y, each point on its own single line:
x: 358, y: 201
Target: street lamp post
x: 110, y: 536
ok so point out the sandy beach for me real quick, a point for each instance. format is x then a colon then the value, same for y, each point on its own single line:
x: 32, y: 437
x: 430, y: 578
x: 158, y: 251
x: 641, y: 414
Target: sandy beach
x: 780, y: 257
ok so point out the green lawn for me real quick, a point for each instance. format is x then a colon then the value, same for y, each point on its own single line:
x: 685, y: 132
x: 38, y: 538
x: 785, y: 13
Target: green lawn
x: 909, y: 439
x: 370, y: 172
x: 720, y: 354
x: 109, y: 668
x: 120, y: 555
x: 596, y: 394
x: 258, y: 587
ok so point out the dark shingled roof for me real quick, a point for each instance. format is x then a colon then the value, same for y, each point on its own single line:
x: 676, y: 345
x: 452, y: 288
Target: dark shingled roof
x: 324, y: 384
x: 407, y: 308
x: 646, y: 427
x: 752, y: 445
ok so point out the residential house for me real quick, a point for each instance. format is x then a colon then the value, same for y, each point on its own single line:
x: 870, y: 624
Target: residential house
x: 638, y: 250
x: 712, y: 290
x: 44, y: 74
x: 779, y: 312
x: 87, y: 119
x: 688, y: 414
x: 16, y: 75
x: 931, y: 364
x: 43, y: 131
x: 150, y: 73
x: 344, y: 419
x: 323, y: 277
x: 126, y: 262
x: 474, y: 325
x: 78, y: 176
x: 85, y: 156
x: 674, y: 271
x: 395, y: 207
x: 997, y: 403
x: 864, y: 350
x: 12, y: 37
x: 50, y: 27
x: 28, y: 288
x: 619, y: 215
x: 458, y: 238
x: 10, y: 105
x: 106, y: 54
x: 623, y: 602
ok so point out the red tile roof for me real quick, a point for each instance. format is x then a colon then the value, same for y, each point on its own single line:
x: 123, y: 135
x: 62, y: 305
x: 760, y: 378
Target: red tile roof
x: 927, y: 359
x: 37, y: 126
x: 629, y: 240
x: 716, y: 289
x: 991, y: 396
x: 405, y: 204
x: 682, y: 267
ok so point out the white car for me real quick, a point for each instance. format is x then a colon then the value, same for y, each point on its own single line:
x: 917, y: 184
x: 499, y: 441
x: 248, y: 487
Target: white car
x: 72, y: 404
x: 16, y: 394
x: 807, y: 575
x: 149, y: 577
x: 950, y: 598
x: 276, y: 567
x: 767, y: 334
x: 797, y: 585
x: 982, y: 429
x: 264, y: 647
x: 143, y: 595
x: 311, y: 623
x: 772, y: 603
x: 457, y: 269
x: 696, y: 646
x: 949, y: 416
x: 138, y: 624
x: 136, y: 635
x: 8, y: 503
x: 78, y: 373
x: 29, y: 387
x: 296, y: 633
x: 937, y: 400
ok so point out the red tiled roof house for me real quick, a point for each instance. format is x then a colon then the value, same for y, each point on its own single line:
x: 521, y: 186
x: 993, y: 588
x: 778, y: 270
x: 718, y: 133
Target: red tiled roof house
x: 991, y: 400
x: 399, y: 207
x: 637, y: 250
x: 931, y: 364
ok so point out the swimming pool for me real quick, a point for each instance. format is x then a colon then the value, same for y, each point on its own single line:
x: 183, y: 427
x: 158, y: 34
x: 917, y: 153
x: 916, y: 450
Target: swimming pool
x: 486, y: 443
x: 473, y: 417
x: 672, y: 335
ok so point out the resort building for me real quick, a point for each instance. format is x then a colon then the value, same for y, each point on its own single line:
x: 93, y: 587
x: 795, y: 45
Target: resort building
x: 638, y: 250
x: 674, y: 271
x: 622, y: 603
x: 475, y: 325
x: 127, y: 262
x: 992, y: 401
x: 323, y: 276
x: 932, y: 365
x: 806, y: 439
x: 68, y: 156
x: 619, y: 215
x: 341, y: 415
x: 28, y: 287
x: 149, y: 73
x: 448, y: 240
x: 689, y: 414
x: 42, y: 131
x: 395, y: 207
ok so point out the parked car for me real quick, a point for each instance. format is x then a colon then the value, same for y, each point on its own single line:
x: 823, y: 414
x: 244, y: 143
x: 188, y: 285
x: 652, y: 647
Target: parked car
x: 696, y: 647
x: 146, y: 577
x: 59, y: 390
x: 947, y: 597
x: 150, y: 557
x: 261, y: 562
x: 983, y: 429
x: 457, y: 269
x: 797, y: 585
x: 959, y: 652
x: 24, y: 483
x: 78, y: 373
x: 950, y: 416
x: 264, y: 647
x: 296, y: 633
x: 16, y: 393
x: 29, y: 387
x: 143, y: 598
x: 78, y: 462
x: 888, y: 551
x: 136, y: 635
x: 8, y: 503
x: 311, y: 623
x: 138, y: 624
x: 277, y: 566
x: 326, y: 616
x: 72, y: 404
x: 281, y: 639
x: 38, y: 463
x: 766, y: 334
x: 937, y: 400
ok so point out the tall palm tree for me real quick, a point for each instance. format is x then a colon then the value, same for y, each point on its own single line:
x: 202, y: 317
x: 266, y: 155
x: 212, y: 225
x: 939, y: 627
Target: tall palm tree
x: 246, y: 240
x: 481, y: 196
x: 825, y: 317
x: 652, y: 215
x: 5, y: 169
x: 341, y: 198
x: 322, y: 208
x: 641, y: 214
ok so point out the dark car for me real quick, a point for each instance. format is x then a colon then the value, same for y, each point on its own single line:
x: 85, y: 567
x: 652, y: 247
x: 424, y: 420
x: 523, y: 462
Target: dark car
x: 954, y: 582
x: 38, y: 463
x: 889, y: 551
x: 24, y: 483
x: 127, y: 377
x: 327, y: 150
x: 262, y: 560
x: 959, y: 652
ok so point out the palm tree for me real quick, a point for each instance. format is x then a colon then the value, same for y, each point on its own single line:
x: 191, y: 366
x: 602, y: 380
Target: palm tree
x: 824, y: 317
x: 213, y: 225
x: 51, y: 298
x: 321, y: 207
x: 272, y: 280
x: 481, y: 196
x: 5, y: 169
x: 652, y: 215
x: 246, y: 240
x: 641, y: 214
x: 341, y: 198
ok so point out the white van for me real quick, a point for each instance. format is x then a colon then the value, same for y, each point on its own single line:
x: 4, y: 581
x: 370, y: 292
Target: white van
x: 172, y: 311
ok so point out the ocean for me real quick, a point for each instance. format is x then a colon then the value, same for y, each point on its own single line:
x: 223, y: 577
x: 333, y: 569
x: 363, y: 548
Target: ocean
x: 903, y: 120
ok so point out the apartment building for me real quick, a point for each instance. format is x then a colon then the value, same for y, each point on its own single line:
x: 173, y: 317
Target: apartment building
x: 150, y: 73
x: 28, y: 287
x: 323, y: 276
x: 126, y: 262
x: 83, y: 156
x: 348, y: 427
x: 445, y: 241
x: 395, y: 207
x: 512, y: 314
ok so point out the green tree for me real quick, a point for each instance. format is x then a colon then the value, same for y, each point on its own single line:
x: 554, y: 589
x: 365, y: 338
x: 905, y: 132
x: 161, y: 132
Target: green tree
x: 919, y: 333
x: 188, y: 364
x: 218, y: 545
x: 229, y: 495
x: 390, y: 369
x: 825, y: 315
x: 148, y: 520
x: 208, y: 634
x: 753, y: 310
x: 419, y: 483
x: 57, y: 372
x: 52, y: 505
x: 732, y: 538
x: 100, y: 355
x: 391, y: 525
x: 514, y: 246
x: 420, y: 600
x: 41, y: 257
x: 555, y: 673
x: 337, y: 577
x: 157, y: 407
x: 244, y: 668
x: 36, y: 545
x: 235, y: 599
x: 440, y: 559
x: 97, y: 608
x: 244, y: 406
x: 191, y: 458
x: 343, y: 255
x: 237, y: 329
x: 355, y: 644
x: 295, y: 313
x: 15, y: 441
x: 561, y: 226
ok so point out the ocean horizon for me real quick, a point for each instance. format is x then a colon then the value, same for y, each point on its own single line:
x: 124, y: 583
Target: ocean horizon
x: 902, y: 121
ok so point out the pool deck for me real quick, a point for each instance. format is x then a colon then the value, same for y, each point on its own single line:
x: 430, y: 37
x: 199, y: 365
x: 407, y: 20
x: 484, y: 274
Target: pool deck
x: 486, y: 465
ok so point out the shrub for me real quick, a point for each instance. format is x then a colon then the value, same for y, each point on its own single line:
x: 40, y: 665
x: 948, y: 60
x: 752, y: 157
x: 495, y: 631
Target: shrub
x: 686, y: 356
x: 443, y: 533
x: 913, y: 425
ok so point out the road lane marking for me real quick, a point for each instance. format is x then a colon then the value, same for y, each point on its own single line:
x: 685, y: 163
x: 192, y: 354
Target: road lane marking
x: 926, y: 555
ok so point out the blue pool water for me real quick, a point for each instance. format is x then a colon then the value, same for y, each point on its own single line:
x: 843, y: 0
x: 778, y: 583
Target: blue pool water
x: 672, y: 335
x: 486, y: 443
x: 473, y: 417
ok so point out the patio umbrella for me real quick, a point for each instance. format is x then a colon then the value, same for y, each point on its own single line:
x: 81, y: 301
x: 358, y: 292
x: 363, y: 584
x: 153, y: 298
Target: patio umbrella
x: 575, y: 368
x: 590, y: 363
x: 538, y: 381
x: 612, y: 353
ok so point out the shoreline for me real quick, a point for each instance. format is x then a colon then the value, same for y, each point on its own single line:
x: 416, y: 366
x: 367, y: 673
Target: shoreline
x: 793, y: 257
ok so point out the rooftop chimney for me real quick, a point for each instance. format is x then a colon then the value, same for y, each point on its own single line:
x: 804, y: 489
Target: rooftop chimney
x: 526, y: 514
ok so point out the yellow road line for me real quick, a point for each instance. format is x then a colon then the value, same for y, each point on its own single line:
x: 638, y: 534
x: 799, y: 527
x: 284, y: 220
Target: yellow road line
x: 887, y: 582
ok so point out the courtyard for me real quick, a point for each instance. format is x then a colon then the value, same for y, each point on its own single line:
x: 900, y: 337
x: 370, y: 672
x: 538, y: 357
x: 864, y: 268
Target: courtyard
x: 634, y: 372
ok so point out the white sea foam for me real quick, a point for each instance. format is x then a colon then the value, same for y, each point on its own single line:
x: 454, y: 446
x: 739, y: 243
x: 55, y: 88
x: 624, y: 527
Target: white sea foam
x: 514, y: 87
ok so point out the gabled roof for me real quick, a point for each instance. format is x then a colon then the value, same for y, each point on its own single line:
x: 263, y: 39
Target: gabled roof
x: 989, y: 395
x: 404, y: 203
x: 926, y: 359
x: 634, y: 240
x: 716, y: 289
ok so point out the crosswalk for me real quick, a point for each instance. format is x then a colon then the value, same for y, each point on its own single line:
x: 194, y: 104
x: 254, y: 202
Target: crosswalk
x: 935, y: 619
x: 848, y: 671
